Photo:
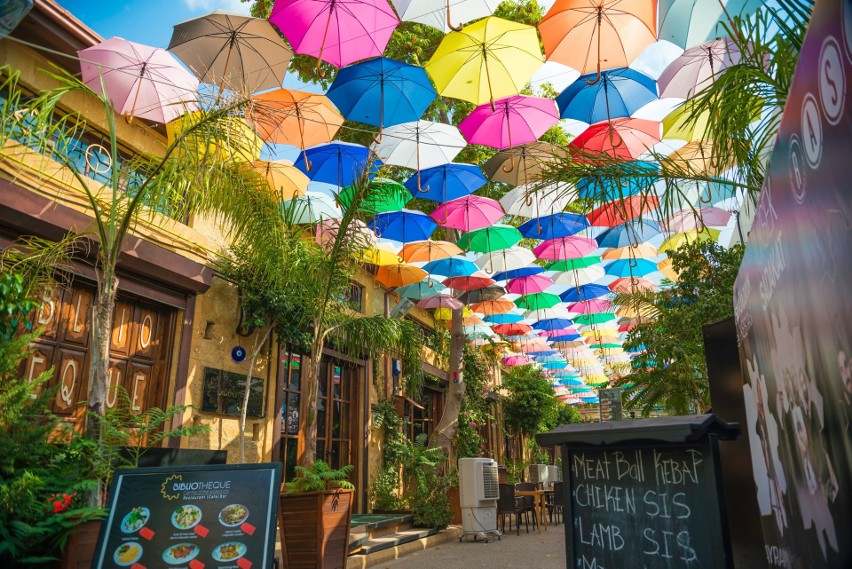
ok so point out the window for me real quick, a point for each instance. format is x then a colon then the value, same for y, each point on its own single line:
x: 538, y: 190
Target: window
x: 290, y: 413
x: 353, y: 297
x: 423, y: 414
x: 224, y: 390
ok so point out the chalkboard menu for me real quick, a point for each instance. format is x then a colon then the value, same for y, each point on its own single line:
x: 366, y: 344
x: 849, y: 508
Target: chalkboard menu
x: 196, y: 517
x: 643, y: 507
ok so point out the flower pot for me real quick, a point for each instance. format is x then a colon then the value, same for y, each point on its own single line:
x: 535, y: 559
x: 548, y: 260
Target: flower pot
x: 80, y: 548
x: 455, y: 505
x: 314, y: 529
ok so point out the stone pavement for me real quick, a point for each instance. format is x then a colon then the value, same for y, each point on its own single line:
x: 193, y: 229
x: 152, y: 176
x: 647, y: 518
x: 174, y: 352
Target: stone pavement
x: 527, y: 551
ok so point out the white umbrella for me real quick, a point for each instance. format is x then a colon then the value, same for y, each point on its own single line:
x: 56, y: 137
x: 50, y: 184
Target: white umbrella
x: 445, y: 15
x: 557, y: 311
x: 505, y: 260
x: 579, y: 277
x: 478, y: 329
x: 523, y: 201
x: 419, y: 144
x: 310, y: 208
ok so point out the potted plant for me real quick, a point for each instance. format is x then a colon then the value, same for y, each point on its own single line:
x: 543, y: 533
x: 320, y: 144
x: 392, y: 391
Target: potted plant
x: 314, y: 517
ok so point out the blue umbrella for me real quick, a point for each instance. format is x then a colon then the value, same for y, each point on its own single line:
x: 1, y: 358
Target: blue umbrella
x: 338, y: 163
x: 553, y: 324
x: 421, y: 290
x: 555, y: 365
x: 446, y: 182
x: 630, y: 233
x: 568, y: 381
x: 404, y: 225
x: 608, y: 188
x: 631, y: 267
x: 584, y: 292
x: 450, y: 267
x: 517, y: 273
x: 554, y: 226
x: 619, y: 93
x: 565, y: 338
x: 507, y: 318
x: 548, y: 356
x: 382, y: 92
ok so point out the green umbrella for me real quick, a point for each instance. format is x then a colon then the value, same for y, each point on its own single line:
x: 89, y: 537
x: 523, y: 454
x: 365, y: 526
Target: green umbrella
x: 604, y: 346
x: 572, y: 264
x: 384, y: 195
x: 421, y: 290
x: 489, y: 239
x: 594, y: 318
x: 537, y: 301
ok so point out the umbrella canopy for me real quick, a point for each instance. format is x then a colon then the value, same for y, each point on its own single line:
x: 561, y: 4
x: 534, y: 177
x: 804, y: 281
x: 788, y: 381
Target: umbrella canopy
x: 424, y: 289
x: 622, y: 211
x: 419, y: 144
x: 336, y: 31
x: 404, y: 225
x: 529, y: 284
x: 697, y: 68
x: 630, y: 233
x: 491, y: 307
x: 446, y: 182
x: 470, y: 282
x: 401, y: 274
x: 229, y: 50
x: 584, y: 292
x: 380, y: 254
x: 666, y: 267
x: 636, y: 176
x: 442, y: 14
x: 516, y: 360
x: 554, y: 226
x: 384, y: 195
x: 440, y: 301
x: 594, y: 35
x: 537, y: 301
x: 687, y: 23
x: 234, y: 140
x: 284, y: 179
x: 357, y: 233
x: 687, y: 219
x: 480, y: 295
x: 574, y: 264
x: 579, y: 277
x: 619, y: 93
x: 631, y: 268
x: 642, y: 250
x: 426, y: 251
x: 701, y: 158
x: 382, y: 92
x: 552, y: 324
x: 140, y: 81
x: 589, y: 306
x: 682, y: 124
x: 504, y: 318
x: 517, y: 273
x: 626, y: 285
x: 515, y: 329
x: 468, y: 213
x: 487, y: 60
x: 522, y: 164
x: 555, y: 312
x: 339, y: 163
x: 565, y: 247
x: 692, y: 236
x: 519, y: 119
x: 312, y: 207
x: 524, y: 202
x: 490, y: 239
x: 596, y: 318
x: 297, y: 118
x: 450, y: 267
x: 620, y: 138
x: 447, y: 314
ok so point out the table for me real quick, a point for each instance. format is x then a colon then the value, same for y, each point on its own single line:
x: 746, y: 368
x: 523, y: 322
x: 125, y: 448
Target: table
x: 540, y: 507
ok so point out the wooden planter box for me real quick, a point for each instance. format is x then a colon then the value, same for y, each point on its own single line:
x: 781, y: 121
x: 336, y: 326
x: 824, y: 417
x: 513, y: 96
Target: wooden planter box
x: 314, y: 529
x: 80, y: 548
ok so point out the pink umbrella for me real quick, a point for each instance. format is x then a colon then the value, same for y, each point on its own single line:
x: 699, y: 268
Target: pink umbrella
x: 687, y: 219
x: 534, y: 347
x: 358, y: 232
x: 529, y: 284
x: 468, y: 213
x: 564, y: 248
x: 590, y: 306
x: 141, y: 81
x: 697, y: 68
x: 337, y: 31
x: 440, y: 301
x: 620, y: 138
x: 518, y: 360
x: 560, y: 332
x: 511, y: 121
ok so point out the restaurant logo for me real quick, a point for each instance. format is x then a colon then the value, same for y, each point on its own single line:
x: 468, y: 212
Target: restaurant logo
x: 164, y: 487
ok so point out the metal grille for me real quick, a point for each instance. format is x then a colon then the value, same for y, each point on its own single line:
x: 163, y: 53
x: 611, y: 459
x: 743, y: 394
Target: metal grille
x: 490, y: 483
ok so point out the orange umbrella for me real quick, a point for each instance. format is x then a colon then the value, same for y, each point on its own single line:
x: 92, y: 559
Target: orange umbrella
x: 393, y: 276
x: 498, y: 306
x: 284, y: 179
x: 640, y: 251
x: 598, y: 34
x: 666, y: 267
x: 424, y: 251
x: 296, y: 118
x: 627, y: 285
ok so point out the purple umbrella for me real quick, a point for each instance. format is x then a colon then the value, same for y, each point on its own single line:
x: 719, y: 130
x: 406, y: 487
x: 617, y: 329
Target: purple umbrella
x: 468, y: 213
x: 697, y: 68
x: 687, y: 219
x: 509, y: 122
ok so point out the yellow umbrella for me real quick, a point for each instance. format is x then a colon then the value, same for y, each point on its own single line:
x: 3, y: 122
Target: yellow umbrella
x: 226, y: 139
x: 447, y: 314
x: 678, y: 124
x: 640, y: 251
x: 400, y: 274
x: 666, y: 267
x: 284, y: 179
x: 675, y: 241
x: 382, y: 254
x: 487, y: 60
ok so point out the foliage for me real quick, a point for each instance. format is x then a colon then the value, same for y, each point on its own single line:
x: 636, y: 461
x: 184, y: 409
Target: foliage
x: 531, y: 404
x: 671, y: 370
x: 537, y: 453
x: 385, y: 492
x: 430, y: 500
x: 564, y: 415
x: 476, y: 406
x: 319, y: 478
x: 515, y: 469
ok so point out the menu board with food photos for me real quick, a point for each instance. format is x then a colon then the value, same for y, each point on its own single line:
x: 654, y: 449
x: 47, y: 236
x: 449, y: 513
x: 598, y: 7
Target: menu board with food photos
x: 195, y: 517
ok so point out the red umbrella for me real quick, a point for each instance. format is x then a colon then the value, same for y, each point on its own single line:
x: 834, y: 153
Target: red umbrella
x: 529, y: 284
x: 621, y: 211
x: 571, y: 247
x: 515, y: 329
x: 468, y: 283
x: 623, y: 138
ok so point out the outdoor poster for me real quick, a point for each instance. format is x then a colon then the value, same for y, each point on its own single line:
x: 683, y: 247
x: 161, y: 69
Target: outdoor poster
x: 196, y: 517
x: 793, y: 308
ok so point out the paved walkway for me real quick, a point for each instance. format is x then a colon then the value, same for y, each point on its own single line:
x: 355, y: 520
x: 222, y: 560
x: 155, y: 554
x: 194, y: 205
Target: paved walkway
x: 545, y: 551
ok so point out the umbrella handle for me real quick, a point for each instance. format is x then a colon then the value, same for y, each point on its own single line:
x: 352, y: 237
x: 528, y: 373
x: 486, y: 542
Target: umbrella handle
x: 377, y: 138
x: 598, y: 77
x: 308, y: 164
x: 511, y: 166
x: 321, y: 72
x: 449, y: 23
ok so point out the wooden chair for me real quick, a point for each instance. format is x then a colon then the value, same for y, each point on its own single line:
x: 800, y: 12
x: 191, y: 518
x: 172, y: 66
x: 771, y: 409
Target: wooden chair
x: 528, y: 501
x: 509, y: 505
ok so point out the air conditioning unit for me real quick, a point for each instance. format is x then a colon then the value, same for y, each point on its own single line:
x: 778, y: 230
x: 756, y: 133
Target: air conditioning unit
x: 537, y: 473
x: 554, y: 474
x: 479, y: 491
x: 402, y: 308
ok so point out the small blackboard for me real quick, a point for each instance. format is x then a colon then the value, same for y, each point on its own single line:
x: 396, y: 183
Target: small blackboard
x: 643, y: 507
x: 196, y: 517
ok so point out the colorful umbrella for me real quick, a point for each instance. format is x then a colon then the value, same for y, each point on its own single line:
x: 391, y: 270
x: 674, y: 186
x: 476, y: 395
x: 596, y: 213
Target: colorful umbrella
x: 440, y: 301
x: 446, y: 182
x: 336, y: 31
x: 574, y: 264
x: 284, y: 179
x: 468, y: 213
x: 687, y: 23
x: 141, y: 81
x: 594, y: 318
x: 519, y: 119
x: 442, y: 13
x: 516, y: 360
x: 682, y: 124
x: 470, y: 282
x: 584, y: 292
x: 487, y: 60
x: 418, y: 291
x: 590, y: 306
x: 619, y: 93
x: 620, y: 29
x: 522, y: 164
x: 380, y: 254
x: 404, y: 225
x: 426, y: 251
x: 565, y: 247
x: 517, y: 273
x: 579, y: 277
x: 554, y: 226
x: 630, y: 233
x: 687, y: 219
x: 490, y: 239
x: 626, y: 285
x: 524, y: 202
x: 634, y: 177
x: 382, y: 92
x: 666, y: 267
x: 297, y: 118
x: 383, y: 195
x: 419, y: 144
x: 242, y: 53
x: 529, y: 284
x: 625, y: 139
x: 312, y: 207
x: 481, y: 295
x: 693, y: 235
x: 630, y: 268
x: 552, y: 324
x: 234, y: 140
x: 339, y: 163
x: 494, y: 306
x: 356, y: 233
x: 537, y: 301
x: 450, y: 267
x: 503, y: 318
x: 446, y: 314
x: 697, y: 68
x: 640, y: 251
x: 556, y: 312
x: 622, y: 211
x: 701, y: 158
x: 399, y: 275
